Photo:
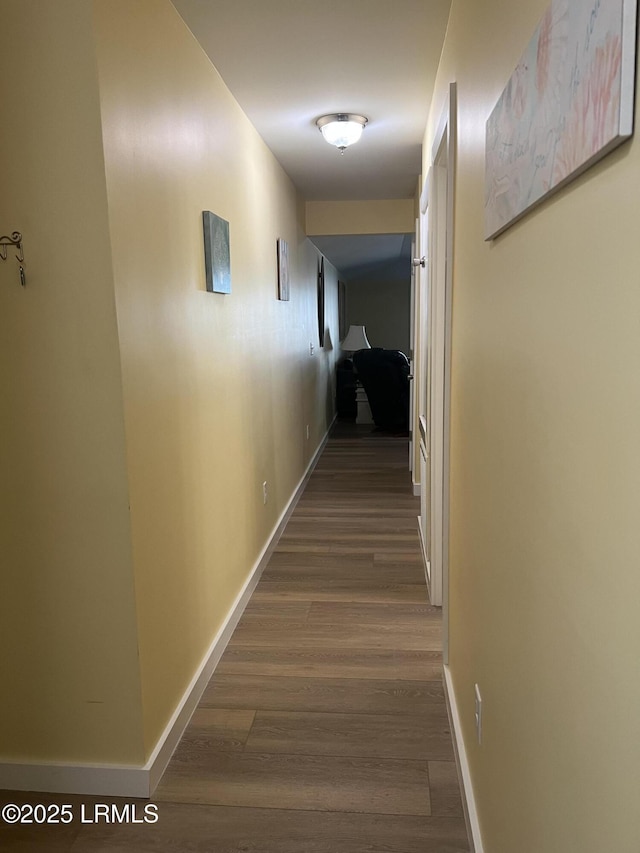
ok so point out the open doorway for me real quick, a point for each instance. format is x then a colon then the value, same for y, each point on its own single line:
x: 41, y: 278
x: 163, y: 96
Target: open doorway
x: 376, y: 271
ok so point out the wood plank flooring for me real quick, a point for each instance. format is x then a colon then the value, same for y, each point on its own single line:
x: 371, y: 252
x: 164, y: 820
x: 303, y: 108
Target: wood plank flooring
x: 324, y: 727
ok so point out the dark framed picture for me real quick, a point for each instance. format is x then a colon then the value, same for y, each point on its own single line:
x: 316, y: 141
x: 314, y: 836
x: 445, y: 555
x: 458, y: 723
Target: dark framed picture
x: 282, y: 250
x: 342, y: 310
x: 321, y: 302
x: 217, y: 255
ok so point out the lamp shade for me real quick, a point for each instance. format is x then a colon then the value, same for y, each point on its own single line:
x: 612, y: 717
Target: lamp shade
x: 341, y: 129
x: 356, y: 339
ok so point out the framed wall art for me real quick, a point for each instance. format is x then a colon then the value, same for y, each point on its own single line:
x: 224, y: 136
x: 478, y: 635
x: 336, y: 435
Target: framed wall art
x: 342, y: 310
x: 569, y: 102
x: 321, y: 302
x: 282, y: 252
x: 217, y: 256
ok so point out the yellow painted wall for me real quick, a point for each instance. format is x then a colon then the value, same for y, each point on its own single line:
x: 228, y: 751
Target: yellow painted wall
x: 218, y: 389
x: 140, y: 413
x: 68, y: 647
x: 387, y: 216
x: 545, y: 478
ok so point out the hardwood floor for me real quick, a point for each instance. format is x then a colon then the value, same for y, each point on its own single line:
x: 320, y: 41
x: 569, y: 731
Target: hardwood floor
x: 324, y: 727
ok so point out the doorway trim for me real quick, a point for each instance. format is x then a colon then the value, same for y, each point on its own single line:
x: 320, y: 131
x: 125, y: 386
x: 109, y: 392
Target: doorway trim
x: 437, y: 202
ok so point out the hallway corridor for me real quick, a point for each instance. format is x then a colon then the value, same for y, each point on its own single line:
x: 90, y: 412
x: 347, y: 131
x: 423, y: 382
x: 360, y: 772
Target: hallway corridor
x: 324, y: 727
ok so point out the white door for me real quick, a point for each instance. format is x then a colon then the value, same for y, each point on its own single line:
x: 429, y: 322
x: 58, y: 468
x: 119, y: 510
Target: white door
x: 412, y: 344
x: 436, y: 377
x: 423, y: 391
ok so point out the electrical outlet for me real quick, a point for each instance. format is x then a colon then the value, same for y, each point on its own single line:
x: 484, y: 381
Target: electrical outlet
x: 478, y: 713
x: 307, y: 432
x: 312, y: 349
x: 265, y: 492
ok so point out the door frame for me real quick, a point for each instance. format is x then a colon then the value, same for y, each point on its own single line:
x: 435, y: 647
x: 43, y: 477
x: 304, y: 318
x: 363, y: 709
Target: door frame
x: 438, y: 198
x: 412, y: 355
x: 422, y: 386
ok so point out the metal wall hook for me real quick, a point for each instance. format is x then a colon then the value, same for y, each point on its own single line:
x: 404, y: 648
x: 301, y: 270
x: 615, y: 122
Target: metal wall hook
x: 14, y: 240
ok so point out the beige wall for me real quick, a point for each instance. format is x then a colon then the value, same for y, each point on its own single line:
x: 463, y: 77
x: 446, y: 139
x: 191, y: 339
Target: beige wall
x: 141, y: 413
x: 388, y: 216
x: 68, y: 648
x: 545, y: 479
x: 218, y: 389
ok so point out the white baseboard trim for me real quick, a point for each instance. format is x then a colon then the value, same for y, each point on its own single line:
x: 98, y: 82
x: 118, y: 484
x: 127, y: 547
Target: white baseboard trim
x: 97, y: 779
x: 417, y: 489
x: 141, y: 781
x: 462, y: 763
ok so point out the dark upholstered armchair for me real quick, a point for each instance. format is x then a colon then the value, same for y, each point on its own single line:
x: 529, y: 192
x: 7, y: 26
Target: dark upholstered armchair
x: 385, y: 377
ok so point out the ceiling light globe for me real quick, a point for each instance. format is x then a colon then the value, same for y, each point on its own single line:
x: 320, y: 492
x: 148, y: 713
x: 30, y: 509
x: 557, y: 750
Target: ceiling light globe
x: 342, y: 129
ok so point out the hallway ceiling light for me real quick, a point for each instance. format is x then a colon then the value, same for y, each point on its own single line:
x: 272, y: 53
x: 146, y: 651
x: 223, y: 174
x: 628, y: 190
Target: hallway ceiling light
x: 341, y: 129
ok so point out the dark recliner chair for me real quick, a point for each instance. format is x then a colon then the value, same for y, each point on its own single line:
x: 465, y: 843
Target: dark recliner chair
x: 385, y: 377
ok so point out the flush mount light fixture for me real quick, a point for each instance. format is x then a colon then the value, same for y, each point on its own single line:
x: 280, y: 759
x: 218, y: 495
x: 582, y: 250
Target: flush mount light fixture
x: 341, y: 129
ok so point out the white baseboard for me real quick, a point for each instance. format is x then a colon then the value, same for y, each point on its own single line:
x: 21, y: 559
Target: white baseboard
x: 462, y: 763
x: 141, y: 781
x: 97, y: 779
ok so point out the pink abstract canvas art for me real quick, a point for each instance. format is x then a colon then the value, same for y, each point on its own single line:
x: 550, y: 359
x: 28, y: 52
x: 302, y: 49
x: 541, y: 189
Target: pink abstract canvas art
x: 567, y: 104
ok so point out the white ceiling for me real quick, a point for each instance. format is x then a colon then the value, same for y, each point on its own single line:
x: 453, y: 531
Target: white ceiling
x: 368, y: 255
x: 287, y: 62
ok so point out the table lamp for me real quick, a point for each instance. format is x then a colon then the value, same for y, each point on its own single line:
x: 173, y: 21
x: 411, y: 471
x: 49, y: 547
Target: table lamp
x: 356, y: 339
